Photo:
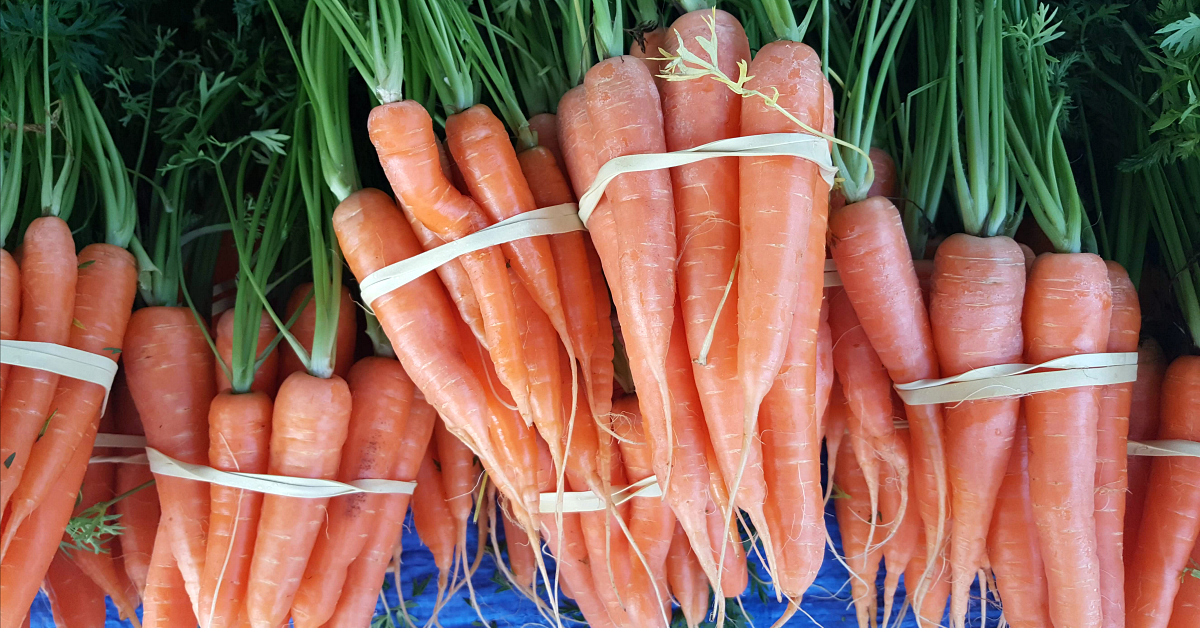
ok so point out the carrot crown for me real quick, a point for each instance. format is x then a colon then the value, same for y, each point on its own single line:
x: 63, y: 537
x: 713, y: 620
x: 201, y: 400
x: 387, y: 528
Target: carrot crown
x: 370, y: 32
x: 488, y: 57
x: 437, y: 24
x: 607, y: 24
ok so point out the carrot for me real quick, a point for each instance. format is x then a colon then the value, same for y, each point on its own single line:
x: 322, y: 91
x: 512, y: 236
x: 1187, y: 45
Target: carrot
x: 266, y: 378
x: 545, y: 129
x: 10, y: 307
x: 381, y: 395
x: 1143, y: 425
x: 460, y: 479
x: 896, y: 512
x: 975, y: 313
x: 541, y: 361
x: 825, y: 370
x: 1171, y: 517
x: 646, y: 46
x: 856, y: 521
x: 834, y: 423
x: 308, y: 429
x: 402, y: 133
x: 930, y: 604
x: 1112, y: 435
x: 166, y: 603
x: 454, y: 277
x: 1068, y: 305
x: 302, y: 329
x: 75, y: 600
x: 104, y: 294
x: 36, y: 541
x: 873, y: 260
x: 520, y: 553
x: 139, y: 511
x: 49, y: 270
x: 169, y: 369
x: 1187, y: 601
x: 239, y: 436
x: 651, y: 522
x: 1014, y: 551
x: 434, y: 521
x: 686, y: 579
x: 365, y: 575
x: 735, y: 575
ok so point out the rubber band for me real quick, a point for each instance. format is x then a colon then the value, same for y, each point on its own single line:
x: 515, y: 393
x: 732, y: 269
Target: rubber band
x: 1017, y: 380
x: 1164, y: 448
x: 587, y: 501
x: 61, y: 360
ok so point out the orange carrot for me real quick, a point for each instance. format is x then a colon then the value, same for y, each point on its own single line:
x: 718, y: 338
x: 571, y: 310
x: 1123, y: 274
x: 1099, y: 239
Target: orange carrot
x: 454, y: 277
x: 1171, y: 516
x: 36, y: 541
x: 646, y: 46
x: 10, y: 307
x: 975, y: 312
x: 545, y: 128
x: 365, y: 575
x: 1014, y: 551
x: 651, y: 522
x: 403, y: 136
x: 75, y: 600
x: 1068, y: 305
x: 434, y: 521
x: 308, y: 429
x: 735, y: 574
x: 825, y: 370
x: 930, y: 604
x: 382, y: 395
x: 1143, y: 425
x: 686, y: 579
x: 460, y: 480
x: 901, y: 515
x: 266, y: 378
x: 166, y: 603
x: 239, y: 437
x: 1112, y: 435
x: 520, y: 553
x: 541, y: 360
x: 836, y: 418
x: 302, y: 329
x: 855, y: 522
x: 1187, y: 601
x: 139, y: 511
x: 169, y: 369
x: 49, y: 270
x: 104, y: 294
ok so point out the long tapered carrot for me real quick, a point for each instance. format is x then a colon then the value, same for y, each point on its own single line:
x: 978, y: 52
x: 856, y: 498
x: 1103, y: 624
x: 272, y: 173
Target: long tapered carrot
x: 975, y: 312
x: 104, y: 294
x: 541, y: 361
x: 382, y: 395
x: 930, y: 606
x: 170, y: 372
x: 364, y: 576
x: 302, y: 329
x: 403, y: 136
x: 75, y: 600
x: 900, y: 514
x: 735, y: 575
x: 49, y: 270
x: 1112, y: 435
x: 855, y: 522
x: 686, y: 579
x: 1014, y: 551
x: 651, y: 522
x: 166, y: 603
x: 520, y: 553
x: 266, y: 378
x: 239, y: 439
x: 433, y: 520
x: 309, y: 424
x: 460, y: 473
x: 1143, y: 425
x: 37, y: 541
x: 1187, y: 602
x: 139, y: 511
x: 871, y: 252
x: 1068, y: 304
x: 10, y: 307
x: 1171, y: 516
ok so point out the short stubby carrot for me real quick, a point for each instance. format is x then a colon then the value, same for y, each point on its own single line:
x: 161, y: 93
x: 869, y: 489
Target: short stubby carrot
x: 1112, y: 436
x: 266, y: 378
x: 1143, y: 425
x: 165, y: 603
x: 170, y: 372
x: 876, y: 268
x: 975, y: 306
x: 309, y: 424
x: 402, y: 133
x: 381, y: 394
x: 10, y: 307
x: 1014, y: 551
x: 303, y: 328
x: 1068, y: 307
x: 1171, y: 515
x: 75, y: 601
x: 49, y: 270
x: 239, y: 440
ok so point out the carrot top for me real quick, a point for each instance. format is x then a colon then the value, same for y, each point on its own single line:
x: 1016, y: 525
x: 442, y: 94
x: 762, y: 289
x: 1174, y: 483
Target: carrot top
x: 371, y: 36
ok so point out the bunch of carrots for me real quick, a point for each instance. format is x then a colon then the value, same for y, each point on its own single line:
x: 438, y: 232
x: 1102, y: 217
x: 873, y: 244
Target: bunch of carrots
x: 642, y: 400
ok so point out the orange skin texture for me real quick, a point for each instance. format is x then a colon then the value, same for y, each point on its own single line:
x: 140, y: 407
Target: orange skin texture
x: 239, y: 440
x: 545, y: 126
x: 650, y: 44
x: 1171, y: 517
x: 169, y: 369
x: 825, y: 370
x: 303, y: 328
x: 139, y: 511
x: 854, y: 518
x: 546, y: 374
x: 75, y: 601
x: 432, y: 518
x: 651, y: 521
x: 1187, y: 601
x: 1112, y: 436
x: 1068, y: 309
x: 10, y: 307
x: 403, y: 136
x: 104, y: 294
x: 266, y: 378
x: 975, y: 307
x: 870, y: 249
x: 165, y: 603
x: 460, y: 477
x: 1014, y: 551
x: 1143, y: 425
x: 900, y: 550
x: 929, y: 605
x: 686, y: 579
x: 36, y: 541
x: 520, y: 553
x: 49, y: 270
